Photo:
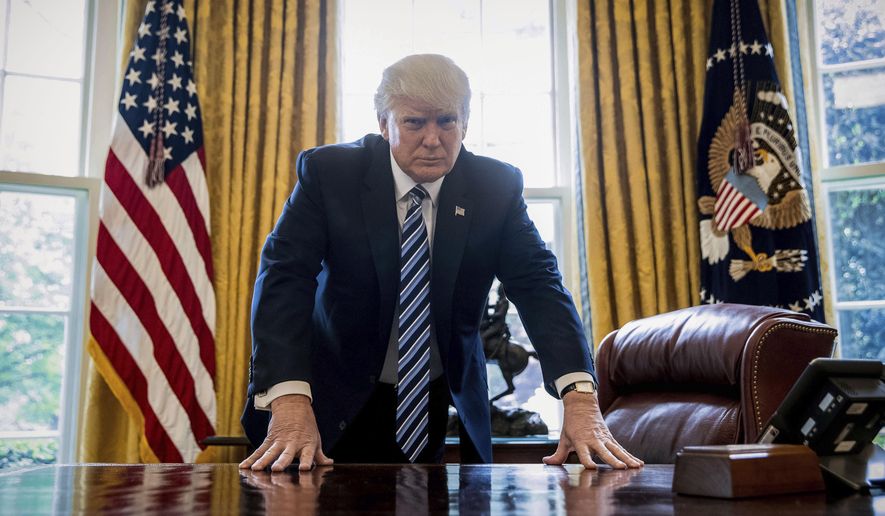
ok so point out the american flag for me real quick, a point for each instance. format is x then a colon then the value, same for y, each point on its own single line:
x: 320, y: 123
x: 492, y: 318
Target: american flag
x: 733, y: 209
x: 153, y: 305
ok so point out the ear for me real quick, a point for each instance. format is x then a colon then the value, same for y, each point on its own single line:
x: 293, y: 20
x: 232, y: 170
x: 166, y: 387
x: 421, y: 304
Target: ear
x: 382, y: 124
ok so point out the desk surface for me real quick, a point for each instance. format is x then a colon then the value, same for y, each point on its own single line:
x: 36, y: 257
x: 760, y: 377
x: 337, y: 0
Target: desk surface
x: 499, y: 489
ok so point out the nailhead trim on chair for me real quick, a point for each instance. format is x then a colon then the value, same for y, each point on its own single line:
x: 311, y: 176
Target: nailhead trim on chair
x: 793, y: 326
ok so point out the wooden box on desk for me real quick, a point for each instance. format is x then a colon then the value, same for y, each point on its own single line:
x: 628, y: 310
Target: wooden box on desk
x: 742, y: 470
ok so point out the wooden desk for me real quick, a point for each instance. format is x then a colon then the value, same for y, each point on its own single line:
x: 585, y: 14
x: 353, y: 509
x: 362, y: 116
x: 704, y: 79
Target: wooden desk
x: 499, y: 489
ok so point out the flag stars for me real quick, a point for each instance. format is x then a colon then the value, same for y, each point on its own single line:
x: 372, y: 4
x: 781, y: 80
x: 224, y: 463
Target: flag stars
x: 719, y: 55
x: 146, y: 129
x: 144, y: 29
x: 744, y: 48
x: 755, y: 48
x: 180, y: 12
x: 169, y: 129
x: 191, y: 87
x: 190, y: 111
x: 137, y: 53
x: 163, y: 33
x: 154, y: 81
x: 188, y: 135
x: 150, y: 7
x: 731, y: 50
x: 150, y: 104
x: 180, y: 35
x: 796, y: 307
x: 769, y: 50
x: 158, y: 56
x: 133, y: 76
x: 167, y: 8
x: 178, y: 59
x: 175, y: 82
x: 128, y: 101
x: 167, y: 153
x: 171, y: 106
x: 709, y: 63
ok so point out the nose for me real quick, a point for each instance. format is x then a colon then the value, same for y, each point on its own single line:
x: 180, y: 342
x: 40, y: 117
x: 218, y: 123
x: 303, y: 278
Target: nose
x: 431, y: 135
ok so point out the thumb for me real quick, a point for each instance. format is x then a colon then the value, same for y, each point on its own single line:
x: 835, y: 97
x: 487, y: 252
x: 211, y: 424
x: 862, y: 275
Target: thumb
x: 560, y: 456
x: 321, y: 458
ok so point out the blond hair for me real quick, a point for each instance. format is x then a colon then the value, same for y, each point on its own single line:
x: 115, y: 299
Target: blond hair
x: 430, y: 78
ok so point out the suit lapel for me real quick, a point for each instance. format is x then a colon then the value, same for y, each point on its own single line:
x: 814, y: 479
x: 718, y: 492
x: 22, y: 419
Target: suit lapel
x: 452, y: 222
x: 379, y: 212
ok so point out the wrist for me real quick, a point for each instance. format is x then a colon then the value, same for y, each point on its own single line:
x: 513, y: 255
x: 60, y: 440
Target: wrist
x: 580, y: 388
x: 289, y: 399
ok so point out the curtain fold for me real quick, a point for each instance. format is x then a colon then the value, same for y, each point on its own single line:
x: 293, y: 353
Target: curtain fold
x: 641, y: 70
x: 266, y: 77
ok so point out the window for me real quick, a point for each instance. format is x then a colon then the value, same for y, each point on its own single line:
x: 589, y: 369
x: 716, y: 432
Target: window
x: 514, y: 53
x: 849, y: 72
x: 53, y: 60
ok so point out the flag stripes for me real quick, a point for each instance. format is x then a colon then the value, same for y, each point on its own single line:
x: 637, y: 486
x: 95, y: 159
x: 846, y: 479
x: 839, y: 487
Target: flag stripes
x: 153, y: 302
x: 131, y: 375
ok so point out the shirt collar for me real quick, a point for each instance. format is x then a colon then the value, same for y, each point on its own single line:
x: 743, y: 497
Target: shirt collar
x: 404, y: 183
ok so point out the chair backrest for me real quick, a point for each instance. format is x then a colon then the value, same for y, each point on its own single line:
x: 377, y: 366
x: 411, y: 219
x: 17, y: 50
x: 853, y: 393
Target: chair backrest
x: 709, y: 374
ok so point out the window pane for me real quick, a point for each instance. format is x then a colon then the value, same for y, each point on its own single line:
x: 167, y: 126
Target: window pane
x: 27, y: 452
x: 36, y: 250
x: 40, y: 126
x: 519, y: 130
x: 862, y: 333
x: 46, y: 37
x: 851, y: 30
x: 857, y: 219
x: 374, y: 36
x: 855, y: 116
x: 545, y: 214
x: 361, y: 119
x: 31, y: 360
x: 516, y: 38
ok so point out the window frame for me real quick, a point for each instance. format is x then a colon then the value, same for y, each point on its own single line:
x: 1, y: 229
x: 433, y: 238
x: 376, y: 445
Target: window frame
x: 99, y: 83
x: 835, y: 177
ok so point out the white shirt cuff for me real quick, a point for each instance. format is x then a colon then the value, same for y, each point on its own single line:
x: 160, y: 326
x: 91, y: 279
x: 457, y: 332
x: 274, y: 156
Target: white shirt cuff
x: 567, y: 379
x: 263, y: 399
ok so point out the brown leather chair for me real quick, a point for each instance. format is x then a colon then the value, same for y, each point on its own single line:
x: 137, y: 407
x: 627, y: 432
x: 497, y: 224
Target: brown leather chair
x: 709, y: 374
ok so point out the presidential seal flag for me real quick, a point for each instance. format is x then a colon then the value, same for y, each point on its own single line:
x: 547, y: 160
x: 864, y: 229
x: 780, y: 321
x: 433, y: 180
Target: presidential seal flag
x: 152, y: 318
x: 757, y: 239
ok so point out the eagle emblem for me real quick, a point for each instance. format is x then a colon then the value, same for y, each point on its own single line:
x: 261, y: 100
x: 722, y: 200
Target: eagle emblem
x: 767, y: 193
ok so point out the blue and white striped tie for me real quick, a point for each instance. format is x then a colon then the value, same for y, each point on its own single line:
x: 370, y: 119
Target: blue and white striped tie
x: 413, y: 388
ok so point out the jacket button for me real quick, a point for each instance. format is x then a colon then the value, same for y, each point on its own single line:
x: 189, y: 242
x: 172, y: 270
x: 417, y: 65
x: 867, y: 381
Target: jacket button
x: 342, y: 425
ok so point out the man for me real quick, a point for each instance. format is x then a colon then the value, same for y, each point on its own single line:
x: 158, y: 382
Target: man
x: 368, y: 300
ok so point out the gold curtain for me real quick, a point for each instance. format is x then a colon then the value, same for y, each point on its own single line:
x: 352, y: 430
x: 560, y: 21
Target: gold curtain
x: 641, y: 69
x: 266, y: 76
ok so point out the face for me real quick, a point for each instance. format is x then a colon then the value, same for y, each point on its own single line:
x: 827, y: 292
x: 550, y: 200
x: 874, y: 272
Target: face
x: 425, y: 141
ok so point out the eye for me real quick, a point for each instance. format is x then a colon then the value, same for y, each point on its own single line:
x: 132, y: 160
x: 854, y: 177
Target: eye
x: 413, y: 122
x: 447, y: 121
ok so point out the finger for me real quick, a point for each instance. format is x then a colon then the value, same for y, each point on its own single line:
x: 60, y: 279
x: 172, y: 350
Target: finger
x: 267, y: 457
x: 559, y: 456
x: 256, y: 454
x: 306, y: 459
x: 284, y: 459
x: 585, y: 457
x: 624, y: 455
x: 321, y: 459
x: 606, y: 456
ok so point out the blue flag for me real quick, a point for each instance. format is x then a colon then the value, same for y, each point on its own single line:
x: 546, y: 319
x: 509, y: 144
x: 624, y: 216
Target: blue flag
x: 757, y: 239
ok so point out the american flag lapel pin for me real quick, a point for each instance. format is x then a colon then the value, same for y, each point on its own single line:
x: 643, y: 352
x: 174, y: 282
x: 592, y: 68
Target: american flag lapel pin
x: 459, y: 211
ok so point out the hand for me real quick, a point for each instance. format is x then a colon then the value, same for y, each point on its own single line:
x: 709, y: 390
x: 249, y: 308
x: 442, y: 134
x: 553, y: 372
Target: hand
x: 292, y: 432
x: 584, y: 431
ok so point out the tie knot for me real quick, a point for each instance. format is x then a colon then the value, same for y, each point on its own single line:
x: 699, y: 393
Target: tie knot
x: 418, y: 194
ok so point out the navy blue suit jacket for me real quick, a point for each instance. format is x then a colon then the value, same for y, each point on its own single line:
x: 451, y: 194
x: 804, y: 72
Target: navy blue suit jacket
x: 326, y: 290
